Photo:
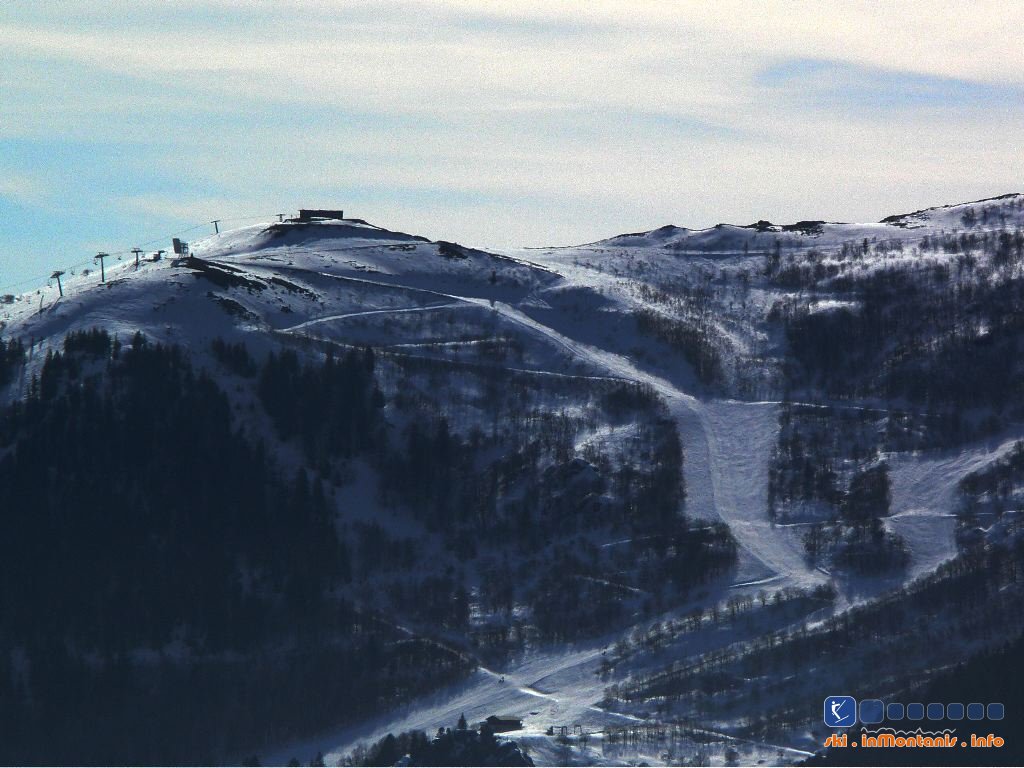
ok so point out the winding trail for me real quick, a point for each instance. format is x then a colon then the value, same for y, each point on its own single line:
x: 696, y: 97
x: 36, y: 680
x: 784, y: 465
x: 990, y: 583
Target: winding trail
x: 727, y: 446
x: 346, y: 315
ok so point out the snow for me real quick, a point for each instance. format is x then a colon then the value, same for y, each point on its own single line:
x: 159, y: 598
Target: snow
x: 741, y: 437
x: 831, y: 305
x: 571, y: 309
x: 924, y: 497
x: 727, y: 446
x: 551, y: 689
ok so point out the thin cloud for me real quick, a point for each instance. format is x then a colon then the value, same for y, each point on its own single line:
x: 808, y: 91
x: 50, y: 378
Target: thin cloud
x: 22, y: 189
x: 829, y: 84
x: 504, y: 122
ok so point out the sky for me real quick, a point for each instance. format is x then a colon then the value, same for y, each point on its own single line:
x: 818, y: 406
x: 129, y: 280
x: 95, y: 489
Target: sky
x: 492, y: 123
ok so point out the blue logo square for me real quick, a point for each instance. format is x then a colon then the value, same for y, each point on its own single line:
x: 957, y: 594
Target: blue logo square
x: 955, y: 711
x: 840, y: 711
x: 871, y: 711
x: 894, y: 711
x: 975, y: 711
x: 915, y: 711
x: 996, y: 712
x: 936, y: 711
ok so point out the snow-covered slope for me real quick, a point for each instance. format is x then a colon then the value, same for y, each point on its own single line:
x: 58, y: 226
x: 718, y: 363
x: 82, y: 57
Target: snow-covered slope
x: 690, y: 314
x: 991, y: 214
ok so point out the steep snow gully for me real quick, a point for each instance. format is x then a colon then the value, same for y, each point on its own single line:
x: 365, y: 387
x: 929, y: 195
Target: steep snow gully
x: 727, y: 445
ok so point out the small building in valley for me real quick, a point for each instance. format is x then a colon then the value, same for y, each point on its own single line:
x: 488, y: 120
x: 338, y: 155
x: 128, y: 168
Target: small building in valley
x: 503, y: 723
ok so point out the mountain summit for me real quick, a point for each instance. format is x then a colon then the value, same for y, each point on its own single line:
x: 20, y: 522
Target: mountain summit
x: 317, y: 481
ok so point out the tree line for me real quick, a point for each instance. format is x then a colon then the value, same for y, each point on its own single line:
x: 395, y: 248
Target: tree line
x: 167, y: 593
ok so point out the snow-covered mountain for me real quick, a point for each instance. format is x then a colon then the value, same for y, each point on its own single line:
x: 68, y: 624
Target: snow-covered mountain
x: 580, y: 486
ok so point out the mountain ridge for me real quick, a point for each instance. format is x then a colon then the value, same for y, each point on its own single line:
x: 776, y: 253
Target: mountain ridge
x: 576, y: 480
x: 807, y: 227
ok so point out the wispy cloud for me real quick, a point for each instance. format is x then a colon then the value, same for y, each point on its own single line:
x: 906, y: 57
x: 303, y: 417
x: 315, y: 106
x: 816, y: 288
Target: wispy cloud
x: 828, y: 84
x: 500, y: 122
x: 22, y: 189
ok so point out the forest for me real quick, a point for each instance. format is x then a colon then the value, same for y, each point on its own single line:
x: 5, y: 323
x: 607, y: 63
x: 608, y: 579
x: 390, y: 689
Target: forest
x: 168, y: 550
x: 941, y: 335
x: 163, y: 575
x: 461, y: 745
x: 826, y: 472
x: 994, y: 675
x: 12, y: 355
x: 902, y: 637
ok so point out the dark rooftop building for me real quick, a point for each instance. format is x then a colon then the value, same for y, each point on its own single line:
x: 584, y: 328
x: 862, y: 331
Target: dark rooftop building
x: 308, y: 214
x: 503, y: 723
